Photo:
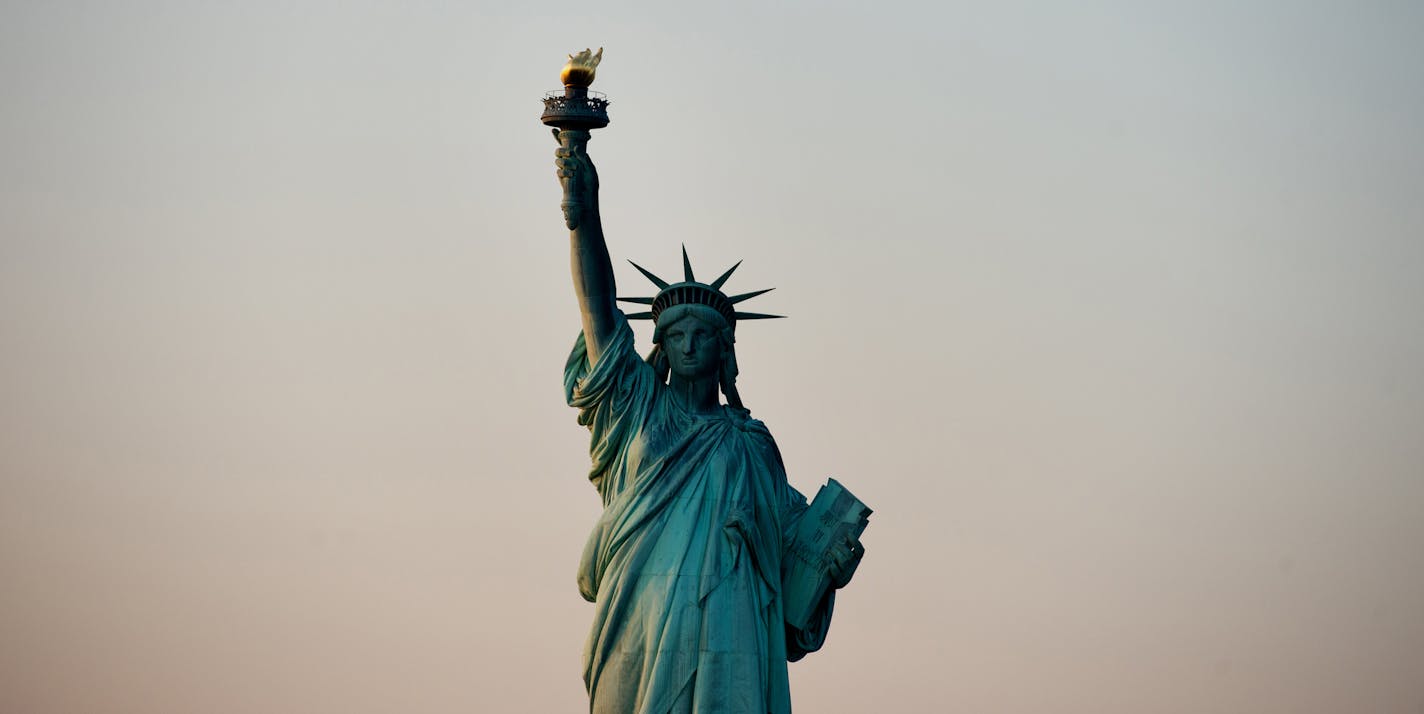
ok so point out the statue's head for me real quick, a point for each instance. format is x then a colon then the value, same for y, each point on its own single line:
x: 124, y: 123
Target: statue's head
x: 695, y: 326
x: 695, y: 340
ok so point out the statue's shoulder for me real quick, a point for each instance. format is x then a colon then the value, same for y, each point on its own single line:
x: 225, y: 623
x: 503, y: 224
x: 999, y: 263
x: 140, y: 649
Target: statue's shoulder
x: 742, y: 419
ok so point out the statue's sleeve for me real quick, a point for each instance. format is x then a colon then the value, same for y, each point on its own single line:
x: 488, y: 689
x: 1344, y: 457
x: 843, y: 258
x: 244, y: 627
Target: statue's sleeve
x: 613, y: 397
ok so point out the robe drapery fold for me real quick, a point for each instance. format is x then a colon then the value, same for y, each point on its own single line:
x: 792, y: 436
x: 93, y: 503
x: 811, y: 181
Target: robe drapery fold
x: 684, y: 566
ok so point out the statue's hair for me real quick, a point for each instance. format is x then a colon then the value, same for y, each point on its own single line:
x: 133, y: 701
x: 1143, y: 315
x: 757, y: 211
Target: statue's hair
x: 727, y: 376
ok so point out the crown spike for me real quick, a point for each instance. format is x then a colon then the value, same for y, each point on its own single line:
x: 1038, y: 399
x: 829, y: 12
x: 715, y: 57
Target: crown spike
x: 662, y: 284
x: 639, y: 316
x: 639, y: 300
x: 747, y: 296
x: 717, y: 284
x: 757, y: 316
x: 686, y: 266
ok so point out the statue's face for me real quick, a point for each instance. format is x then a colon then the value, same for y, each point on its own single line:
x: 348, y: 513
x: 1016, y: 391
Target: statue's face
x: 693, y: 349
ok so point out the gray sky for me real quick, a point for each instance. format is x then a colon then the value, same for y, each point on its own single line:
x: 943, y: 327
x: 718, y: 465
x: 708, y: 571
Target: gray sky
x: 1112, y: 312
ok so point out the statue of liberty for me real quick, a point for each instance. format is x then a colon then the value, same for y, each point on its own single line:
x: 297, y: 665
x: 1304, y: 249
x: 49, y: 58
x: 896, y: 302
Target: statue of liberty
x: 685, y: 567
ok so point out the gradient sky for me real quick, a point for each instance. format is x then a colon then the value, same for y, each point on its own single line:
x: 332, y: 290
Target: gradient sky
x: 1114, y: 312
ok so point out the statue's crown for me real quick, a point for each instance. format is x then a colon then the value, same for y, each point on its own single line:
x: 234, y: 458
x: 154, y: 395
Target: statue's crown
x: 691, y: 292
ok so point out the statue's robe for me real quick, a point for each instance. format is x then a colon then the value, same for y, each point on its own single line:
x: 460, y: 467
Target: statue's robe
x: 684, y: 566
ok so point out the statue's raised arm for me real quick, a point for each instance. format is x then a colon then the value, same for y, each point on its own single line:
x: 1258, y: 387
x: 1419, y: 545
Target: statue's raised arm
x: 588, y: 252
x: 572, y: 114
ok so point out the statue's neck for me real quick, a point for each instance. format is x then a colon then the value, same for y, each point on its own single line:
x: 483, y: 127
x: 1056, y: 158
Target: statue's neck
x: 698, y: 396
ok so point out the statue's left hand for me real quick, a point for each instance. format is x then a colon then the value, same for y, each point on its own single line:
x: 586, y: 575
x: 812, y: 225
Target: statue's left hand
x: 844, y: 558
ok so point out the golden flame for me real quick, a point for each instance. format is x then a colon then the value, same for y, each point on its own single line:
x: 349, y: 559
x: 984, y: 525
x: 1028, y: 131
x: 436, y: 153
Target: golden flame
x: 579, y: 71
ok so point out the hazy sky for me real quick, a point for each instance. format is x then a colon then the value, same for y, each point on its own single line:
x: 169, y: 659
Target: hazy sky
x: 1113, y: 311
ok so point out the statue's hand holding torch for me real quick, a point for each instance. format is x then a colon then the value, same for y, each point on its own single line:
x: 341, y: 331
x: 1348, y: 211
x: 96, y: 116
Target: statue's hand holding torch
x: 577, y: 175
x: 573, y: 113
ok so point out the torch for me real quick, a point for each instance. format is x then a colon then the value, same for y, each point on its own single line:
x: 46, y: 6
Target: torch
x: 574, y: 113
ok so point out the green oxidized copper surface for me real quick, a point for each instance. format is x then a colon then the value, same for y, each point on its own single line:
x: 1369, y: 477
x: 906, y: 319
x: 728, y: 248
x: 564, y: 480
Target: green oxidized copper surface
x: 687, y: 565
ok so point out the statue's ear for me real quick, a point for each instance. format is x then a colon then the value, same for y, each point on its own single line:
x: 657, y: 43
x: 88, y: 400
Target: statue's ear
x: 729, y: 365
